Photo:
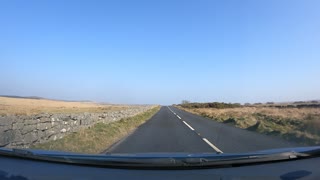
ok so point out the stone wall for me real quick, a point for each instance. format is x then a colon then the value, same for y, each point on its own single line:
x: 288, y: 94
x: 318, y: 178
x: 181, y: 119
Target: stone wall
x: 23, y: 131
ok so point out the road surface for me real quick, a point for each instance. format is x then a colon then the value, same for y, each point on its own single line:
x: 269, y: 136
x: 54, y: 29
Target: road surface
x: 174, y: 130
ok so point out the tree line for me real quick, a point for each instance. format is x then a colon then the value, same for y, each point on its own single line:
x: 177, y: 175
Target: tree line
x: 218, y: 105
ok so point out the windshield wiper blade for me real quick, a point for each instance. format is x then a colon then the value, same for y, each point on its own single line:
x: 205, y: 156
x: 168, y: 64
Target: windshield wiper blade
x: 168, y: 161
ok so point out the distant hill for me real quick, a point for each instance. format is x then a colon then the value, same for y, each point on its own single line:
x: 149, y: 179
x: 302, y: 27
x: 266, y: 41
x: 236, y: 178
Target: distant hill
x: 37, y: 97
x: 22, y: 97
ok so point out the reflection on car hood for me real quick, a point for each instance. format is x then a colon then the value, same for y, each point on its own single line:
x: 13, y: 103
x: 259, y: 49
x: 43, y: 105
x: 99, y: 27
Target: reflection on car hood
x: 166, y: 160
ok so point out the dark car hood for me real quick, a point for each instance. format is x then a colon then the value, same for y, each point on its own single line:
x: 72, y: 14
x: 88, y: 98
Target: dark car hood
x: 166, y: 160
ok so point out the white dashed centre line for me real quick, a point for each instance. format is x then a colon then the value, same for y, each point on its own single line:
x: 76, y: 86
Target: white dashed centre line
x: 188, y: 125
x: 213, y: 146
x: 204, y: 139
x: 174, y: 113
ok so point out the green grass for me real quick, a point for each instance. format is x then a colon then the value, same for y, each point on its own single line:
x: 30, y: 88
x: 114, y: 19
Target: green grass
x: 99, y: 137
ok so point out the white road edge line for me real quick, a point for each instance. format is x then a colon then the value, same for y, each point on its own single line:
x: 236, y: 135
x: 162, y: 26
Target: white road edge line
x: 213, y: 146
x: 179, y: 117
x: 188, y: 125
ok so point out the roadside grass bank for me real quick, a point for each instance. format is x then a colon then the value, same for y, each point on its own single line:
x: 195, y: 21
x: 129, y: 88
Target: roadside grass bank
x: 99, y: 137
x: 299, y: 125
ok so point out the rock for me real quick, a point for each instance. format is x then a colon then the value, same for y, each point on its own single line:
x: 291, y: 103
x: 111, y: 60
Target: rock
x: 63, y: 130
x: 43, y: 126
x: 30, y: 137
x: 30, y: 122
x: 17, y: 136
x: 6, y: 138
x: 41, y: 134
x: 45, y: 120
x: 17, y: 125
x: 50, y: 133
x: 6, y: 121
x: 5, y: 128
x: 28, y: 128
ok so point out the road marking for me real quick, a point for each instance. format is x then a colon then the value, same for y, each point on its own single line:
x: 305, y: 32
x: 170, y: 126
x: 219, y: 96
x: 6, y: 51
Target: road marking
x: 174, y: 113
x: 204, y: 139
x: 188, y: 125
x: 213, y: 146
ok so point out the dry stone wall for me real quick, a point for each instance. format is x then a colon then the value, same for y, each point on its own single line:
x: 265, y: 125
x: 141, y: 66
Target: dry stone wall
x: 22, y: 131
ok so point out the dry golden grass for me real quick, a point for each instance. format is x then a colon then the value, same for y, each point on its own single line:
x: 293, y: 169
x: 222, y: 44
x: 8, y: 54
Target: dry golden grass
x: 301, y: 125
x: 19, y: 106
x: 285, y: 113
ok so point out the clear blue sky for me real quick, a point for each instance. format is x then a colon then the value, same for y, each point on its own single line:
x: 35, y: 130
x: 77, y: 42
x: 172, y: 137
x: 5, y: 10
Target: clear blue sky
x: 142, y: 51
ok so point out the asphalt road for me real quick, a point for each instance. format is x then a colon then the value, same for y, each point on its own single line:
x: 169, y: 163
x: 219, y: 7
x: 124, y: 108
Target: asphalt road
x: 174, y: 130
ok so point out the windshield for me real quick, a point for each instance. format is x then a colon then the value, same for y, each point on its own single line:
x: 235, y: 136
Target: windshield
x: 159, y: 77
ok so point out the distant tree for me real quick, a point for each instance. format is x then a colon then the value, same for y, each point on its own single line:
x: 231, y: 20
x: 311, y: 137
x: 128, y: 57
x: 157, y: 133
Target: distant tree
x: 236, y: 105
x: 247, y: 104
x: 298, y: 102
x: 185, y: 102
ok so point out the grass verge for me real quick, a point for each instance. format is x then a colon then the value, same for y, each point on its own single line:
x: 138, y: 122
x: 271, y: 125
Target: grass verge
x: 299, y: 125
x: 99, y: 137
